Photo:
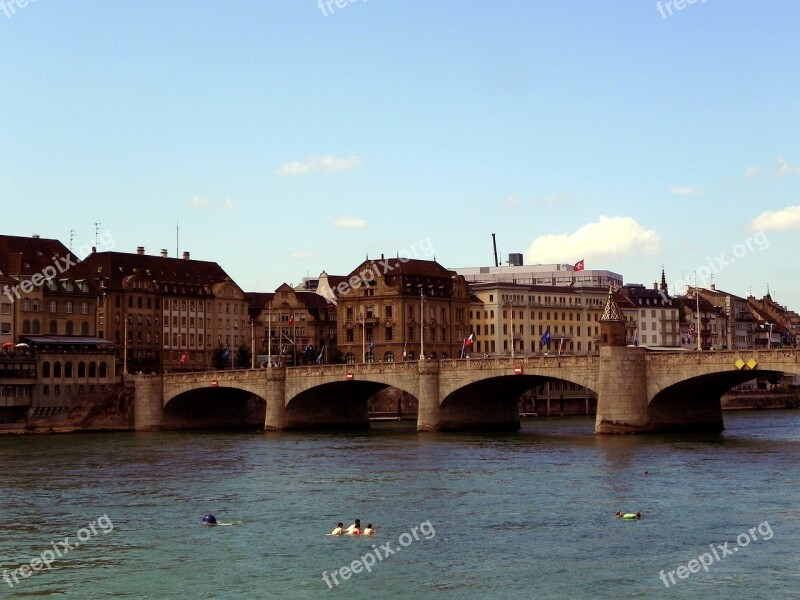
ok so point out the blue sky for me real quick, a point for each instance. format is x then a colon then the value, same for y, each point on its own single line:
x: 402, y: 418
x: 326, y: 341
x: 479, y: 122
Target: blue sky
x: 287, y: 141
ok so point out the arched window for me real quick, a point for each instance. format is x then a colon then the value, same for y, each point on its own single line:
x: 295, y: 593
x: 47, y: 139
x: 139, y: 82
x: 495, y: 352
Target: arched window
x: 57, y: 369
x: 26, y: 326
x: 46, y: 368
x: 81, y: 369
x: 68, y: 369
x: 444, y: 355
x: 85, y: 328
x: 92, y: 369
x: 103, y: 369
x: 53, y: 326
x: 69, y: 328
x: 388, y: 356
x: 410, y: 355
x: 350, y: 358
x: 36, y: 326
x: 369, y: 357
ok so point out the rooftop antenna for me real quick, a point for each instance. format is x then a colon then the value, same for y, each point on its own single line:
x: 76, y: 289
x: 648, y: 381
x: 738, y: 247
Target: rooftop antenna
x: 71, y: 237
x: 177, y: 238
x: 494, y: 244
x: 96, y: 233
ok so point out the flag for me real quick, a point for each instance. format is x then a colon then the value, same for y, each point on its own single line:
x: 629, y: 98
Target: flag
x: 578, y: 266
x: 371, y: 346
x: 546, y: 337
x: 291, y: 319
x: 184, y: 358
x: 561, y: 344
x: 225, y: 354
x: 319, y: 358
x: 468, y: 341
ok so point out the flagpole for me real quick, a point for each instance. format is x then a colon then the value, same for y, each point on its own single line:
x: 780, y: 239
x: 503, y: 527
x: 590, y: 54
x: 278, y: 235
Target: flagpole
x: 363, y: 330
x: 252, y: 343
x: 421, y: 324
x: 512, y: 331
x: 269, y: 335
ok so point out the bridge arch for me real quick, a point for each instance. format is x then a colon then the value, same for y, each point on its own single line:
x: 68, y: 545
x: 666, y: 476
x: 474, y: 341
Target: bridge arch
x: 215, y: 408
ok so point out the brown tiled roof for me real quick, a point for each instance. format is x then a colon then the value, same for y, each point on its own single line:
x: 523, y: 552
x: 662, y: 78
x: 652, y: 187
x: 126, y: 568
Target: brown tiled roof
x: 111, y: 268
x: 29, y: 255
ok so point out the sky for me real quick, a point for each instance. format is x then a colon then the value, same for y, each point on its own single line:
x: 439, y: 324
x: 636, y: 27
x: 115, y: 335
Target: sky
x: 284, y: 138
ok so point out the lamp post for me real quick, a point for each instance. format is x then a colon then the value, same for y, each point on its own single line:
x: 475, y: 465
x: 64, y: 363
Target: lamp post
x: 421, y: 323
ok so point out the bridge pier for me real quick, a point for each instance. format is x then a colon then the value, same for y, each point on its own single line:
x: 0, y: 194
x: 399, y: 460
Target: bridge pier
x: 148, y: 402
x: 622, y: 405
x: 429, y: 413
x: 275, y: 418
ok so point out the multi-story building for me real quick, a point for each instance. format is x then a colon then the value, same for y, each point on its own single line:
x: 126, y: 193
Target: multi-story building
x: 711, y: 327
x: 164, y: 313
x: 41, y: 292
x: 652, y: 314
x: 521, y: 318
x: 293, y: 322
x: 392, y: 308
x: 740, y: 323
x: 559, y: 275
x: 782, y: 324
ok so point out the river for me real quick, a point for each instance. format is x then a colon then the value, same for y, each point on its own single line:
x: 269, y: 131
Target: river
x: 521, y: 515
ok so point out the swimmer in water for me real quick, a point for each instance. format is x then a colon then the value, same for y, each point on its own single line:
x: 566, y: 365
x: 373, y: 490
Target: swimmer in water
x: 209, y: 520
x: 354, y: 529
x: 338, y: 530
x: 370, y: 530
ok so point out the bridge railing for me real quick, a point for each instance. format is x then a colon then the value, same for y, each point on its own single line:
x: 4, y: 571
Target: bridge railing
x: 725, y: 356
x: 565, y: 360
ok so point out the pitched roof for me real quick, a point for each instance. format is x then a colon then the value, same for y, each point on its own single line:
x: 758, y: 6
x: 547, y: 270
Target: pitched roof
x: 28, y: 255
x: 112, y: 268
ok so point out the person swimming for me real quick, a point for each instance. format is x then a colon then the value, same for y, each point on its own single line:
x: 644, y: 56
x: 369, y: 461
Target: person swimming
x: 370, y: 530
x: 338, y: 530
x: 628, y: 516
x: 354, y: 529
x: 209, y: 520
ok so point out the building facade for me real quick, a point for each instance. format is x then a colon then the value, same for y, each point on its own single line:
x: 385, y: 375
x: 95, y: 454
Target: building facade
x: 535, y: 319
x: 396, y: 308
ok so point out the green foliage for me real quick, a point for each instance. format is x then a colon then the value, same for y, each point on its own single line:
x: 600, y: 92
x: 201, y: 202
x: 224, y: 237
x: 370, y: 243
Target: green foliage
x: 243, y: 356
x: 218, y: 359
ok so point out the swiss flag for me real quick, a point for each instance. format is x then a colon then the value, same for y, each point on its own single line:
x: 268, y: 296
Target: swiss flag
x: 578, y: 266
x: 291, y: 319
x: 184, y: 358
x: 468, y: 341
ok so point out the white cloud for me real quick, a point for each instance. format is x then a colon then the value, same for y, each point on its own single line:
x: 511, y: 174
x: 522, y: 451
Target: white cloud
x: 327, y: 163
x: 350, y: 222
x: 509, y: 203
x: 556, y: 199
x: 198, y: 202
x: 228, y: 204
x: 301, y: 255
x: 683, y: 190
x: 750, y: 172
x: 780, y: 220
x: 609, y: 236
x: 784, y: 168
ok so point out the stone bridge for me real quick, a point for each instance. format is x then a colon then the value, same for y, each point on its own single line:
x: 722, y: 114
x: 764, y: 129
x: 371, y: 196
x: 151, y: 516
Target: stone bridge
x: 637, y: 390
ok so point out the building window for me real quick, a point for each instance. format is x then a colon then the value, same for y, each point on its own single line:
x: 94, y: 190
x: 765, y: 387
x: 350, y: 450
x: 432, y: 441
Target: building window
x: 26, y: 305
x: 388, y: 356
x: 52, y: 306
x: 81, y: 369
x: 68, y: 307
x: 5, y: 308
x: 388, y: 334
x: 46, y: 369
x: 53, y: 326
x: 69, y: 328
x: 350, y: 358
x: 387, y: 311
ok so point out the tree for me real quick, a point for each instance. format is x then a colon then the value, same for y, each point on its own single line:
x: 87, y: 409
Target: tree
x: 220, y: 358
x: 243, y: 356
x: 335, y: 356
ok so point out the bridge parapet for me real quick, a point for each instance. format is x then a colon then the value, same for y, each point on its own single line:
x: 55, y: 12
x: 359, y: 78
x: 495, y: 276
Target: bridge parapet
x: 724, y: 357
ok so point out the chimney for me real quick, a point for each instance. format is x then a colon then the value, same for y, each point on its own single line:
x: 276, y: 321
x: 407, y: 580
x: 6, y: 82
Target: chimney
x: 164, y: 253
x: 140, y: 250
x: 35, y: 236
x: 186, y: 255
x: 94, y: 249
